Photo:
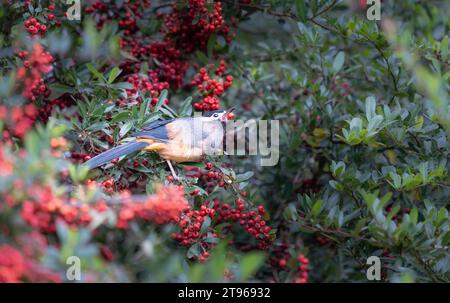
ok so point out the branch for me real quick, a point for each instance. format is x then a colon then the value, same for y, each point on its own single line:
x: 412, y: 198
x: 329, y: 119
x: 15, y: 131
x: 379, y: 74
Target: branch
x: 266, y: 9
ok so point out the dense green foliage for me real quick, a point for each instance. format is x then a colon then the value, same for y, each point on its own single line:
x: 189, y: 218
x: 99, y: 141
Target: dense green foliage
x: 364, y: 127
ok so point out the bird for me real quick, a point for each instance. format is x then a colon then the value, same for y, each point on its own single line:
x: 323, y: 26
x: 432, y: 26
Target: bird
x: 185, y: 139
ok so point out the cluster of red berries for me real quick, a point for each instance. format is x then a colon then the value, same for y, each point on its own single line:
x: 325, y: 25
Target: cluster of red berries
x: 127, y: 13
x: 128, y: 24
x: 35, y: 66
x: 51, y: 16
x: 303, y: 268
x: 41, y: 206
x: 61, y: 103
x: 165, y: 206
x: 221, y: 70
x: 208, y: 103
x: 148, y: 83
x: 165, y: 58
x: 105, y: 137
x: 180, y: 33
x: 34, y: 27
x: 6, y: 169
x: 130, y: 179
x: 251, y: 219
x: 171, y: 67
x: 57, y: 146
x: 138, y: 49
x: 211, y: 89
x: 341, y: 88
x: 101, y: 12
x: 190, y: 28
x: 190, y: 223
x: 209, y: 178
x: 37, y: 88
x: 107, y: 185
x: 17, y: 266
x: 18, y: 120
x: 79, y: 157
x: 280, y: 258
x: 45, y: 207
x: 400, y: 213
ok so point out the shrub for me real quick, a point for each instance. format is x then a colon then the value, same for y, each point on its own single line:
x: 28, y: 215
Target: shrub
x: 364, y: 123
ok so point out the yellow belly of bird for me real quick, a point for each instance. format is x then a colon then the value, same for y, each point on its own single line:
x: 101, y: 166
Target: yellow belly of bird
x: 173, y: 151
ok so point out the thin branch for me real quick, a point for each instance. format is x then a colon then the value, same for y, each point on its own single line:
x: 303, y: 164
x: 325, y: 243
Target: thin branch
x: 266, y: 9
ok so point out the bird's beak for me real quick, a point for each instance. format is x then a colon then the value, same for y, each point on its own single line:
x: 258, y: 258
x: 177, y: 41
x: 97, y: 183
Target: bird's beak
x: 228, y: 114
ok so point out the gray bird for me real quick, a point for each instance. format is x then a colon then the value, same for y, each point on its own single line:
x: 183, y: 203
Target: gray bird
x: 181, y: 140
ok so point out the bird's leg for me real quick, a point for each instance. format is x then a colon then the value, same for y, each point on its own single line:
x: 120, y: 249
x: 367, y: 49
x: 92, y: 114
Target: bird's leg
x: 174, y: 174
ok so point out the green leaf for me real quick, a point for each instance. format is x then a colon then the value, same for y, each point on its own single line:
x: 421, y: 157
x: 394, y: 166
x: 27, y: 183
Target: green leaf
x: 359, y: 226
x: 186, y: 107
x: 370, y: 107
x: 338, y: 168
x: 162, y: 97
x: 218, y: 260
x: 113, y: 74
x: 32, y: 144
x: 250, y: 263
x: 125, y: 128
x: 144, y: 109
x: 396, y: 179
x: 302, y: 11
x: 193, y: 251
x: 211, y: 44
x: 122, y: 85
x: 394, y: 211
x: 122, y: 116
x: 446, y: 238
x: 338, y: 61
x: 59, y: 89
x: 442, y: 217
x: 244, y: 176
x: 78, y: 173
x: 94, y: 71
x: 317, y: 207
x: 414, y: 215
x: 205, y: 225
x: 423, y: 169
x: 97, y: 126
x: 169, y: 113
x: 151, y: 118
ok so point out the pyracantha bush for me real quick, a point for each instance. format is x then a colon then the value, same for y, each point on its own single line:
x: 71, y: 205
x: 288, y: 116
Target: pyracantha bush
x: 364, y: 125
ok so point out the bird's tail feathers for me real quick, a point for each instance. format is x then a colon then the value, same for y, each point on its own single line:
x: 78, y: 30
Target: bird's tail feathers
x: 114, y: 153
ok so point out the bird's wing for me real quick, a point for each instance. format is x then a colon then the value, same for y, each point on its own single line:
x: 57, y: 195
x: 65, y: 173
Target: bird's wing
x: 156, y: 124
x: 156, y: 130
x: 158, y: 134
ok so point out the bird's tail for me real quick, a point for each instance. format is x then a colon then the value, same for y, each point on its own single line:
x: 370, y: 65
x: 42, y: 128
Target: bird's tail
x: 114, y: 153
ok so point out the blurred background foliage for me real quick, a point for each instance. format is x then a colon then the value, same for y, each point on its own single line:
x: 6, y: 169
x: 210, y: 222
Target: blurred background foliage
x: 364, y: 125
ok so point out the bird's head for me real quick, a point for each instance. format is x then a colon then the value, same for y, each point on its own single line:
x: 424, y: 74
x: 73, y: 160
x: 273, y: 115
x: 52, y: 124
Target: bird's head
x: 221, y: 115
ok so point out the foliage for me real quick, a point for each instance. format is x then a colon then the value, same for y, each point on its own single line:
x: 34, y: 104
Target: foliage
x: 364, y: 125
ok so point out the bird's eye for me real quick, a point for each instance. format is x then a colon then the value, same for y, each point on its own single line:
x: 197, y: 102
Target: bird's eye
x: 216, y: 115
